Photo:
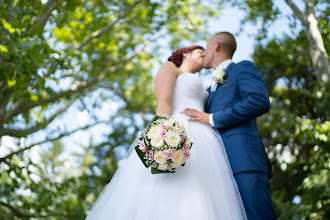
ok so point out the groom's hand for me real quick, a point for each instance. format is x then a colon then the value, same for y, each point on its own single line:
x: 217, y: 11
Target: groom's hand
x: 198, y: 116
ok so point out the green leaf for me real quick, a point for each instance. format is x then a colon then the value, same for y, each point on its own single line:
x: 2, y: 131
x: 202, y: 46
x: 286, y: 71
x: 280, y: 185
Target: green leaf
x: 28, y: 44
x: 141, y: 156
x: 7, y: 26
x: 155, y: 170
x: 34, y: 98
x: 3, y: 49
x: 11, y: 83
x: 63, y: 34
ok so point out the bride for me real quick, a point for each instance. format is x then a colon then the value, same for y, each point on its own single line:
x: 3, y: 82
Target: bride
x: 202, y: 189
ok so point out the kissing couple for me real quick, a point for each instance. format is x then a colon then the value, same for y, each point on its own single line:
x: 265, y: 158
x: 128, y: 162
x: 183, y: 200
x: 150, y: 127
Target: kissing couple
x: 227, y: 175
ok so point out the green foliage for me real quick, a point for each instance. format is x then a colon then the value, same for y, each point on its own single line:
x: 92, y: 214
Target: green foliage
x: 46, y: 189
x: 61, y: 54
x: 295, y: 130
x: 87, y: 45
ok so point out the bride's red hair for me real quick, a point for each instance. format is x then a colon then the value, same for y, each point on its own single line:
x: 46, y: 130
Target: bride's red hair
x: 177, y: 55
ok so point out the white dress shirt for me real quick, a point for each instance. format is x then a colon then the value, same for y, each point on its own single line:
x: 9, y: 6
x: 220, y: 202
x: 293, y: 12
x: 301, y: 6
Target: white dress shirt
x: 222, y: 66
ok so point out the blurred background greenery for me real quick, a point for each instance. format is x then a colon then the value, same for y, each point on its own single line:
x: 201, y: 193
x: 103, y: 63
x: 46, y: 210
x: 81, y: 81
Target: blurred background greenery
x: 59, y: 55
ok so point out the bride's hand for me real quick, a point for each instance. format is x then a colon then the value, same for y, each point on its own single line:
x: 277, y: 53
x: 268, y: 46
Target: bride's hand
x: 201, y: 117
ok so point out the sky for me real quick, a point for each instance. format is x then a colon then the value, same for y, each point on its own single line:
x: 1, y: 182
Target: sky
x: 228, y: 21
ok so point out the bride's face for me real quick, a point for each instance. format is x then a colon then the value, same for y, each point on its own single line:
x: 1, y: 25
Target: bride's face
x: 196, y: 59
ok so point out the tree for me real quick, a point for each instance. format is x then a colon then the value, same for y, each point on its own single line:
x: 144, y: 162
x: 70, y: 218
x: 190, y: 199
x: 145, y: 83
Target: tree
x: 87, y: 45
x: 295, y: 130
x: 59, y: 55
x: 42, y: 189
x: 313, y: 19
x: 316, y: 47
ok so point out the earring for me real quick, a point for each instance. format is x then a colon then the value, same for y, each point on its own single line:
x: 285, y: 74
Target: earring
x: 187, y: 58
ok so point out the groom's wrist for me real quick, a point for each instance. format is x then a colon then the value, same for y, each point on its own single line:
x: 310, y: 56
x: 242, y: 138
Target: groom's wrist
x: 211, y: 120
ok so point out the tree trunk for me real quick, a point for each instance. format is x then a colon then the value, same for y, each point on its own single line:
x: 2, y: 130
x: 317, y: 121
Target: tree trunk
x: 317, y: 50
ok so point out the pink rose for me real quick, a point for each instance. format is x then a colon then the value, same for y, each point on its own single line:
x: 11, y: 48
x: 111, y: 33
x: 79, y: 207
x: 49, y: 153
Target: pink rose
x: 163, y: 133
x: 168, y: 153
x: 186, y: 136
x: 186, y: 154
x: 185, y: 149
x: 164, y: 127
x: 143, y: 147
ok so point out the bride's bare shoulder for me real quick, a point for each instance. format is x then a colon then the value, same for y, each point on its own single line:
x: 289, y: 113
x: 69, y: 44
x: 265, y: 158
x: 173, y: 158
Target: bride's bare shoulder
x: 169, y: 68
x: 169, y: 64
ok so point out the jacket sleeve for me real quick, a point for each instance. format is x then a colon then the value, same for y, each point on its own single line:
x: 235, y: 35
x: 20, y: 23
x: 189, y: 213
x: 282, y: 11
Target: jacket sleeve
x: 255, y: 99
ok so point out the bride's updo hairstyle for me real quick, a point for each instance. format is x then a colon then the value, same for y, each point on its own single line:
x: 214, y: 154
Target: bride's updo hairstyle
x: 177, y: 55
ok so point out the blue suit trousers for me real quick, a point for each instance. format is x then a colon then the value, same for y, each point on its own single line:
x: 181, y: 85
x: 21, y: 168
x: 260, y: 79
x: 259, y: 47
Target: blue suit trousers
x: 254, y: 188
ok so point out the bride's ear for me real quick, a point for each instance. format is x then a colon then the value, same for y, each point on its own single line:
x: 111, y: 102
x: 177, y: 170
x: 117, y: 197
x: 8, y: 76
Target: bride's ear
x: 186, y: 56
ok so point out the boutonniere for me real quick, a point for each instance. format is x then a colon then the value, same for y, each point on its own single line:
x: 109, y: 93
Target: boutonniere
x: 219, y: 76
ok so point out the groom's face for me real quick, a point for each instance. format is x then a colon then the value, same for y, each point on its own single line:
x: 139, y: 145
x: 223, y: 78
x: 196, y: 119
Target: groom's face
x: 208, y: 54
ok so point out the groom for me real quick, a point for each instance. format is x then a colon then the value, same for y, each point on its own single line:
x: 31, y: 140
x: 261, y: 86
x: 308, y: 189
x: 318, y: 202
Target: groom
x: 236, y: 98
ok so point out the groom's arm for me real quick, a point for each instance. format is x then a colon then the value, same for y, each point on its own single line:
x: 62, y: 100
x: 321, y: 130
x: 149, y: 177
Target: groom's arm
x: 255, y: 99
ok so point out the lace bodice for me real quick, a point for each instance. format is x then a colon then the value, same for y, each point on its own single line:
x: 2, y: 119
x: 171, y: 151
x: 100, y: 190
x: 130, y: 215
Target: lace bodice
x: 188, y: 93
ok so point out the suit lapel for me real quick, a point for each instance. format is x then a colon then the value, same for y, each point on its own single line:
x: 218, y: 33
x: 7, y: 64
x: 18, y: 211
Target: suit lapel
x: 209, y: 100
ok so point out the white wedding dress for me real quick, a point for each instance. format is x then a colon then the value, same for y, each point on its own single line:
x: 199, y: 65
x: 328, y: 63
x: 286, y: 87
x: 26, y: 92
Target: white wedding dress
x: 202, y: 189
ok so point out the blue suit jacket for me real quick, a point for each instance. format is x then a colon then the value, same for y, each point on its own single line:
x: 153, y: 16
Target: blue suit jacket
x: 235, y: 106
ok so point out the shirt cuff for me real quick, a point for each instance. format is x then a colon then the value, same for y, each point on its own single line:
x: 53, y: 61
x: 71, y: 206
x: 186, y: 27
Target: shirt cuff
x: 211, y: 120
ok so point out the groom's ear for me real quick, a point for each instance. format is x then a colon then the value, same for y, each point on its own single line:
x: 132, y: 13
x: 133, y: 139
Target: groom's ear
x: 217, y: 46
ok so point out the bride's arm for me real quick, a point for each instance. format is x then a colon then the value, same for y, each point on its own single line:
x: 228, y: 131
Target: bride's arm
x: 164, y: 87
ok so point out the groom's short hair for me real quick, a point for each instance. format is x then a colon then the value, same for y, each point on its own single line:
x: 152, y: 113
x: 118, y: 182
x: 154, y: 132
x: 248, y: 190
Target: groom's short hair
x: 227, y: 41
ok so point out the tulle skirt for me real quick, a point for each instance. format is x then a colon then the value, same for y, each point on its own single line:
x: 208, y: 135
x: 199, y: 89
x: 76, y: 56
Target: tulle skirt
x: 202, y: 189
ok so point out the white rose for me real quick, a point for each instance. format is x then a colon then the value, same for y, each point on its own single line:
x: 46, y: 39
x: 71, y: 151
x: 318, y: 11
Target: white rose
x: 187, y: 143
x: 218, y: 76
x: 175, y: 165
x: 169, y: 122
x: 154, y: 132
x: 181, y: 126
x: 157, y: 142
x: 162, y: 166
x: 172, y: 139
x: 177, y: 156
x: 160, y: 157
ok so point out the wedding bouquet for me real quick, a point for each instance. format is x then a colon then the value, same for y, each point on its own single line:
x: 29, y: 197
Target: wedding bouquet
x: 164, y: 145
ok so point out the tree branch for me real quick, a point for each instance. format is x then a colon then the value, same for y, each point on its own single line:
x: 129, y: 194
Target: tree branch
x: 24, y: 132
x: 43, y: 18
x: 3, y: 103
x: 3, y: 159
x: 18, y: 213
x: 21, y: 106
x: 302, y: 17
x: 309, y: 4
x: 108, y: 27
x: 14, y: 210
